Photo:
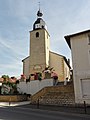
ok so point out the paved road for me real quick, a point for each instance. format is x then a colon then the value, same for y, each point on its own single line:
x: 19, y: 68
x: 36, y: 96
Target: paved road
x: 20, y: 113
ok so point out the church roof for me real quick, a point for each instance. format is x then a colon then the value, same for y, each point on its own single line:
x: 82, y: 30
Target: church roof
x: 25, y: 58
x: 38, y: 20
x: 56, y: 53
x: 65, y: 59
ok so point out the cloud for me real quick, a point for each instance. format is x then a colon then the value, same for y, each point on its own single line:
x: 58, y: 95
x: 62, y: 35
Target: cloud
x: 17, y: 17
x: 11, y: 56
x: 11, y: 47
x: 10, y: 70
x: 66, y: 17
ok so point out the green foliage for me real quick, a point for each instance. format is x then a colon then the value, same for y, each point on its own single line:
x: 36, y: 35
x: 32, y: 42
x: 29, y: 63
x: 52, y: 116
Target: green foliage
x: 39, y: 76
x: 11, y: 88
x: 5, y: 77
x: 8, y: 87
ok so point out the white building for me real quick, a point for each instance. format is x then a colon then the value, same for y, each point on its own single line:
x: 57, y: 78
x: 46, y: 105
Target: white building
x: 79, y: 44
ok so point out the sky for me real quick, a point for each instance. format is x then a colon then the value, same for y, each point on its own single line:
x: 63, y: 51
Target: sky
x: 63, y: 17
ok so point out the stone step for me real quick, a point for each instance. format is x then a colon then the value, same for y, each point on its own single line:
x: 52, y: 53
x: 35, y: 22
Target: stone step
x: 57, y: 95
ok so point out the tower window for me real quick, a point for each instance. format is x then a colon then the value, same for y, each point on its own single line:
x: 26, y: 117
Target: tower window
x: 88, y: 39
x: 37, y: 34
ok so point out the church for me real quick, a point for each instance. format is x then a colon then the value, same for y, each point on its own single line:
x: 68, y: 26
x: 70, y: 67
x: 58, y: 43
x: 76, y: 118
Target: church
x: 40, y: 57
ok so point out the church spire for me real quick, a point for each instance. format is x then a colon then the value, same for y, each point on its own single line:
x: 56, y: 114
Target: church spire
x: 39, y: 23
x: 39, y: 13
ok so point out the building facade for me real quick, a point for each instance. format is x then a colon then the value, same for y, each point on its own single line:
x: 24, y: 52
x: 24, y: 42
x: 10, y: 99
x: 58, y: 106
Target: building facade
x: 40, y: 56
x: 79, y: 44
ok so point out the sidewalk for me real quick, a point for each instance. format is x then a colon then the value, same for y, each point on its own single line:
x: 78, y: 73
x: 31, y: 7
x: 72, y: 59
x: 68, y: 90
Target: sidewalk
x: 14, y: 103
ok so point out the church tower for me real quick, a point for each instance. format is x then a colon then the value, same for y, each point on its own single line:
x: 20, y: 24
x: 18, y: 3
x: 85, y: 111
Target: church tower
x: 40, y: 55
x: 39, y: 45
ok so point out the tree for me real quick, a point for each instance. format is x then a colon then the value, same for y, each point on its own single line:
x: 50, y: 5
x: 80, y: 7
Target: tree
x: 5, y: 77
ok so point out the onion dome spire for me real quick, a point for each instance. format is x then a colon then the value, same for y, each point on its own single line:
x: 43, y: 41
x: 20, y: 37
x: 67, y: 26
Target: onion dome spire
x: 39, y: 13
x: 39, y: 23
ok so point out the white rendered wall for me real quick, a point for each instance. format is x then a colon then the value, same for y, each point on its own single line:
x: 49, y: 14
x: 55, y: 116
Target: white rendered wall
x: 34, y: 86
x: 81, y: 67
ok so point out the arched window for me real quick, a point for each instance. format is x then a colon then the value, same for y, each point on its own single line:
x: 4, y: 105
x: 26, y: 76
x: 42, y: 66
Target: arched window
x: 37, y: 34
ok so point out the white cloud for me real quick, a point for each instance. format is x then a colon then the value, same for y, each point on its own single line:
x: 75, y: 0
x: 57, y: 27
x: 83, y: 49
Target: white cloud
x: 11, y: 63
x: 62, y: 17
x: 13, y: 48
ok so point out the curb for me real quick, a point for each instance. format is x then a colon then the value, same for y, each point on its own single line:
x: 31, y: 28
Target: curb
x: 14, y: 103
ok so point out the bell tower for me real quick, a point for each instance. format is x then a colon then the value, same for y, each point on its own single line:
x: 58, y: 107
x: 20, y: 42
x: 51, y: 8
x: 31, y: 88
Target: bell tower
x: 39, y: 45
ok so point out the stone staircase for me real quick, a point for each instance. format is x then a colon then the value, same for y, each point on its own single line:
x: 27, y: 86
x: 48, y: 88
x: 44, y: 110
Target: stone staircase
x: 55, y: 95
x: 58, y: 98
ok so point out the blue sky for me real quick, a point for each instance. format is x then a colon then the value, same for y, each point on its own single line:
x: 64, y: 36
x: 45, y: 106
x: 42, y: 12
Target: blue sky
x: 62, y: 17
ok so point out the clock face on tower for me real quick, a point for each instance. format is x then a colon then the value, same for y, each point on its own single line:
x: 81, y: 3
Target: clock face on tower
x: 37, y: 26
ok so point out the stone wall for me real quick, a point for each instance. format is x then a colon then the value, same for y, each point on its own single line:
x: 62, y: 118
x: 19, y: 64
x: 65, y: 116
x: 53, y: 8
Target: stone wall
x: 55, y: 95
x: 12, y: 98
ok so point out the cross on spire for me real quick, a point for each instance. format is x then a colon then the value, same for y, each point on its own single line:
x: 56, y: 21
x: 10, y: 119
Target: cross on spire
x: 39, y: 5
x: 39, y: 13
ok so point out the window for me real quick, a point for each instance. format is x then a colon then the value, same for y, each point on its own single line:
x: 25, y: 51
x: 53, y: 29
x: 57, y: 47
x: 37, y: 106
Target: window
x: 85, y: 83
x: 88, y: 39
x: 37, y: 34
